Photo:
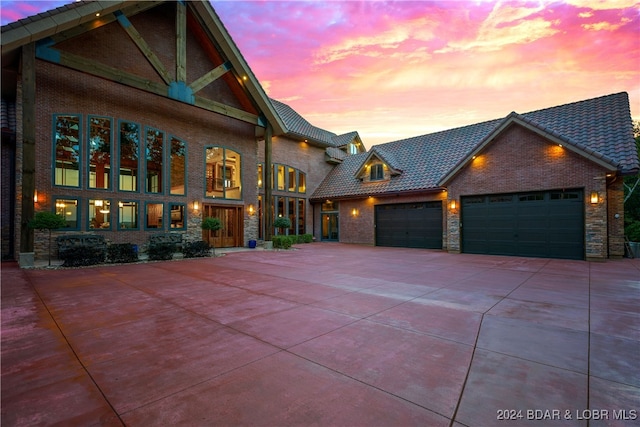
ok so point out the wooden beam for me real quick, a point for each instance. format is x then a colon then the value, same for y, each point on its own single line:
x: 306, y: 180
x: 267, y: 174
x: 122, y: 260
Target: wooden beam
x: 28, y: 145
x: 268, y: 190
x: 97, y: 69
x: 227, y: 110
x: 210, y: 77
x: 181, y: 41
x: 144, y: 47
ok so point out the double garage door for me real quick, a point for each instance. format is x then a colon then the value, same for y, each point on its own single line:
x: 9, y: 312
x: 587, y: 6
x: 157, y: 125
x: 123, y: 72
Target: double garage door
x: 409, y: 225
x: 541, y: 224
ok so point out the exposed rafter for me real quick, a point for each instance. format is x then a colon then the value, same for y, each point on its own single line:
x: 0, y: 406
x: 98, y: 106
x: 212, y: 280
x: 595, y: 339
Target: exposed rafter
x: 210, y: 77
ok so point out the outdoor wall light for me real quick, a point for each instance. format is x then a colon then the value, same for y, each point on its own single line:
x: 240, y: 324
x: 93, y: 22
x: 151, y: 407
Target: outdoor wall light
x: 35, y: 196
x: 196, y: 206
x: 354, y: 212
x: 594, y: 198
x: 251, y: 210
x: 453, y: 205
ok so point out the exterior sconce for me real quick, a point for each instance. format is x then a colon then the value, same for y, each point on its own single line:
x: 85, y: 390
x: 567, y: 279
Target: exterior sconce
x: 251, y: 210
x: 196, y: 206
x: 594, y: 198
x: 453, y: 205
x: 35, y: 196
x: 354, y: 212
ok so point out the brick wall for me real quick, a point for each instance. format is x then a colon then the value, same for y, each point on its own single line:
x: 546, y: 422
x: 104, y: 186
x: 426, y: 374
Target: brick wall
x: 61, y: 90
x: 521, y: 160
x: 360, y: 228
x: 615, y: 204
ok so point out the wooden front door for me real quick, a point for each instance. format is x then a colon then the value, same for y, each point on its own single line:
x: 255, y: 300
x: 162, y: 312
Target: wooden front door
x: 231, y: 234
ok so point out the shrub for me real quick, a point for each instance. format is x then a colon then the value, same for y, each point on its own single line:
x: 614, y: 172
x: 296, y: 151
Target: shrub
x: 307, y: 238
x: 196, y: 249
x: 281, y: 242
x: 122, y: 252
x: 161, y: 251
x: 83, y: 255
x: 632, y: 231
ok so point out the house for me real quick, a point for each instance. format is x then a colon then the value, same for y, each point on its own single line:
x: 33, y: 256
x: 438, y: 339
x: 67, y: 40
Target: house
x: 132, y: 118
x: 546, y: 183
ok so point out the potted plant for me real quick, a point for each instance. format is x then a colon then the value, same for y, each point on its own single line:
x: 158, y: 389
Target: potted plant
x: 47, y: 221
x: 282, y: 223
x: 212, y: 224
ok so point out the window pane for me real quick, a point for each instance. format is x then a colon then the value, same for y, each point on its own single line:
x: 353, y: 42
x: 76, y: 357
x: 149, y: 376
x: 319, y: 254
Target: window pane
x: 129, y: 155
x: 301, y: 227
x: 215, y: 172
x: 302, y: 182
x: 292, y: 215
x: 281, y: 177
x: 154, y: 155
x: 68, y: 208
x: 154, y: 215
x: 260, y: 177
x: 292, y: 179
x: 232, y: 182
x: 67, y: 151
x: 128, y: 214
x: 99, y: 213
x: 178, y: 176
x: 100, y: 152
x: 177, y: 216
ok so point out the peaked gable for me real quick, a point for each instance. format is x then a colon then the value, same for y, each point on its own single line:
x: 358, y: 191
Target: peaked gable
x: 215, y: 77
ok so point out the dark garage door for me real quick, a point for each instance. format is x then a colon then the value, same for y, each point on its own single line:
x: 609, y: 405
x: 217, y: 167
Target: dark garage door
x: 542, y: 224
x: 410, y: 225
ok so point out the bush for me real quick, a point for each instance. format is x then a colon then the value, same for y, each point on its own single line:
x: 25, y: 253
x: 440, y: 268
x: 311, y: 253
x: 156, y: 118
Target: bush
x: 83, y: 255
x: 307, y: 238
x: 161, y: 251
x: 122, y: 252
x: 281, y: 242
x: 632, y: 231
x: 196, y: 249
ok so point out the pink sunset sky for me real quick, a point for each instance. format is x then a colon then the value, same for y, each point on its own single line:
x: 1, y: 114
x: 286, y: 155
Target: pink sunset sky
x: 393, y: 70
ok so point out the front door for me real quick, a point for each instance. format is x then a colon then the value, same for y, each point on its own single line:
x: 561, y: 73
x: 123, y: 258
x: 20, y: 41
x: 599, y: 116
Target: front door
x: 330, y: 226
x: 231, y: 234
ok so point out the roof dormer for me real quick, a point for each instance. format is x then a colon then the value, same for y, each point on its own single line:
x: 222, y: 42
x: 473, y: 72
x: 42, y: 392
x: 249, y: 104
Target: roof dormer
x: 378, y: 166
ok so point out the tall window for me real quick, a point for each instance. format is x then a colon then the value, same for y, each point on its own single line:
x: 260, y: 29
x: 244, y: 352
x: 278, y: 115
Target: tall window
x: 291, y: 172
x: 260, y: 176
x: 67, y: 150
x: 128, y: 215
x: 68, y: 208
x: 100, y: 152
x: 301, y: 225
x: 302, y: 182
x: 129, y: 156
x: 280, y: 177
x: 178, y: 167
x: 99, y: 214
x: 154, y: 155
x: 223, y: 173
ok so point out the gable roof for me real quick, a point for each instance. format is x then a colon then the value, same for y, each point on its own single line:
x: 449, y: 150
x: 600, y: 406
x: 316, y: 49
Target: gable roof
x: 599, y: 129
x: 298, y: 126
x: 68, y: 17
x: 384, y: 156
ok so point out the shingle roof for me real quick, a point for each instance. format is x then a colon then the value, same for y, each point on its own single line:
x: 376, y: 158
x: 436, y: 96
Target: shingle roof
x: 299, y: 126
x: 600, y: 126
x: 335, y: 155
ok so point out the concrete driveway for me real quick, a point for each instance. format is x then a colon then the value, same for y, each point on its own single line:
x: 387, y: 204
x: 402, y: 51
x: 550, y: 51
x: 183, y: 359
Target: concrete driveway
x: 325, y: 335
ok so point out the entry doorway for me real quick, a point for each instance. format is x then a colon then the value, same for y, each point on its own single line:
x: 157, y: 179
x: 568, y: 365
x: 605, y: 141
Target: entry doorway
x: 232, y: 233
x: 330, y: 227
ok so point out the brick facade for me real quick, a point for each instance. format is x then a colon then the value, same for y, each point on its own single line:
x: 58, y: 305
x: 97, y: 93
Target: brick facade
x: 64, y: 91
x: 521, y: 160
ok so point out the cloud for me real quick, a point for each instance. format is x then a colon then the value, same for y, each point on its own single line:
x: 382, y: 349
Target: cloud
x: 603, y: 4
x: 505, y: 25
x: 606, y: 26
